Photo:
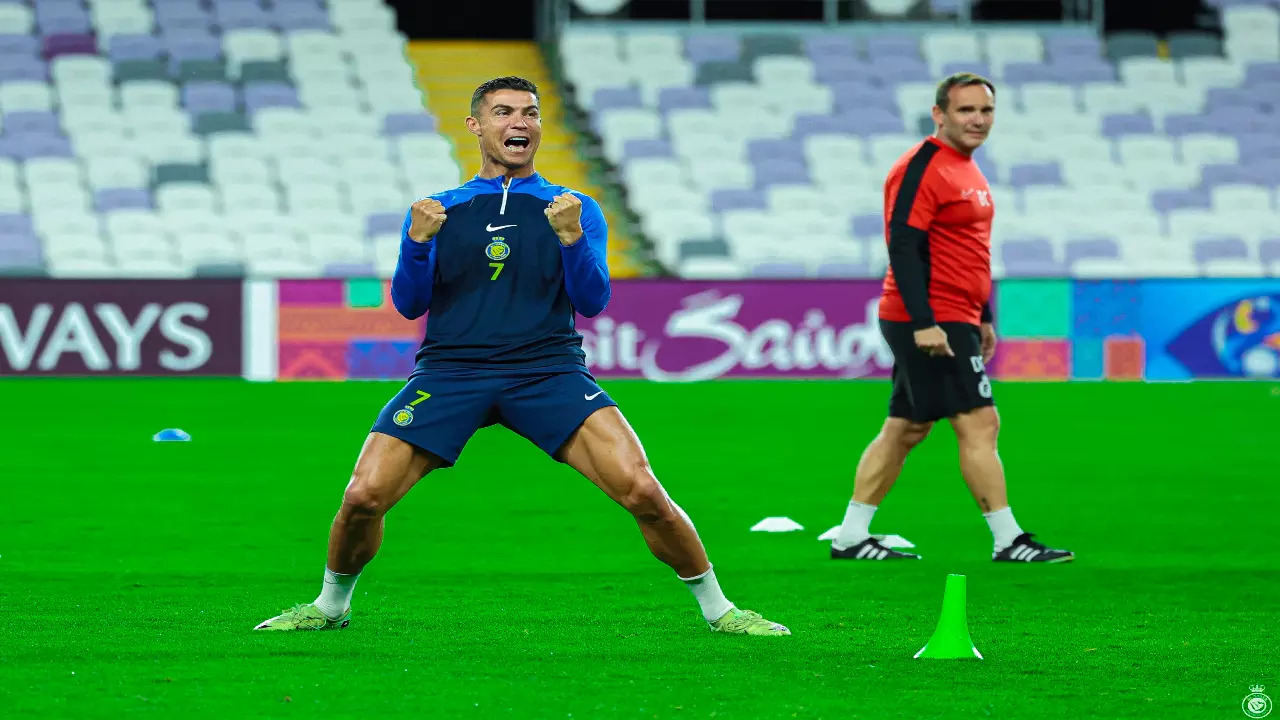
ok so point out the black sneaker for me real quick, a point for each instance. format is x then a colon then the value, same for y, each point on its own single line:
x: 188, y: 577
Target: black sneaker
x: 870, y: 549
x: 1024, y: 549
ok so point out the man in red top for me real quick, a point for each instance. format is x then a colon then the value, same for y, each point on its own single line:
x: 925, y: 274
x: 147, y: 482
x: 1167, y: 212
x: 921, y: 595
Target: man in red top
x: 936, y: 318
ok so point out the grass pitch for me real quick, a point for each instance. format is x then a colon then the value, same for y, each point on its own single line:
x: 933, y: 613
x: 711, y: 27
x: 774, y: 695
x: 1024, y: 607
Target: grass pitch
x: 131, y: 572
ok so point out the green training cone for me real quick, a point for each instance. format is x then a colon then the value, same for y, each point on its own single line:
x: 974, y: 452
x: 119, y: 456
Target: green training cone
x: 951, y: 639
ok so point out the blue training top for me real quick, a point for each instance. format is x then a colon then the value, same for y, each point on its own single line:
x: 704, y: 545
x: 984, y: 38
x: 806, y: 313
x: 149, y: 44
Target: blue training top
x: 500, y: 288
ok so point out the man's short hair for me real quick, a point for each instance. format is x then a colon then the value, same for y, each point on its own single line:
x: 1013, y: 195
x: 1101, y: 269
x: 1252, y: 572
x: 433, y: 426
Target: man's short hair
x: 943, y: 97
x: 503, y: 83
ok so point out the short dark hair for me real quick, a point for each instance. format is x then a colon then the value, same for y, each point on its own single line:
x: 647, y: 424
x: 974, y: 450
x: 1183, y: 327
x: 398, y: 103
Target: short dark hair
x: 963, y: 79
x: 510, y: 82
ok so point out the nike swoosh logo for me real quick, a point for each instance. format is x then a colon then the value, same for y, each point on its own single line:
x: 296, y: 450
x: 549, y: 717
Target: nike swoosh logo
x: 593, y: 396
x: 491, y: 228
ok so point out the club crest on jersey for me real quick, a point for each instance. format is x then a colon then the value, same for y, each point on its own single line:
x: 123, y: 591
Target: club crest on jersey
x: 403, y: 416
x: 498, y: 249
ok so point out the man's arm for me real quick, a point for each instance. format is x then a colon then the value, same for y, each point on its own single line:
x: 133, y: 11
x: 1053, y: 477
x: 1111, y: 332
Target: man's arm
x: 586, y: 260
x: 412, y: 282
x: 914, y: 208
x: 986, y: 312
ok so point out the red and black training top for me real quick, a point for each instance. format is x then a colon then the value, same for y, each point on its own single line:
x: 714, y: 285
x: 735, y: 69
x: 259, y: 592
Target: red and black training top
x: 938, y: 213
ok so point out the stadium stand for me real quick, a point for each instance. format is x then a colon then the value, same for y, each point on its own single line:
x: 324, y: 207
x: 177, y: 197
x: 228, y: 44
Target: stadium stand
x: 172, y: 138
x: 764, y: 155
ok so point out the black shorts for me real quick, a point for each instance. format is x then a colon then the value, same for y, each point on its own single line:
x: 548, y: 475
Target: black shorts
x: 928, y: 388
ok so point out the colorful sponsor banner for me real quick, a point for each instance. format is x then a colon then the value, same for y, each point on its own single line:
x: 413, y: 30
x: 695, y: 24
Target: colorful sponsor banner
x: 677, y: 331
x: 1211, y: 329
x: 657, y: 329
x: 115, y: 327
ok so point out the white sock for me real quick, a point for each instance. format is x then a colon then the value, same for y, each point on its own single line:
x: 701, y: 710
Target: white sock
x: 335, y: 594
x: 706, y: 590
x: 856, y: 525
x: 1004, y: 529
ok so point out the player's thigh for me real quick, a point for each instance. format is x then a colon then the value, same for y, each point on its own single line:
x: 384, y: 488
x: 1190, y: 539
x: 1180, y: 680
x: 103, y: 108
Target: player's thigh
x: 606, y: 450
x: 386, y: 469
x: 917, y: 382
x: 549, y: 408
x: 438, y: 412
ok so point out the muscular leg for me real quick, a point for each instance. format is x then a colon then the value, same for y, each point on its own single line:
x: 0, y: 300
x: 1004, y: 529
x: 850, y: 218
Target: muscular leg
x: 882, y: 461
x: 386, y: 469
x: 607, y: 452
x: 878, y: 469
x: 976, y: 433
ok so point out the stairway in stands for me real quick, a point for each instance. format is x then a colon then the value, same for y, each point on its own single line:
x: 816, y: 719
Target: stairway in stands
x: 449, y: 71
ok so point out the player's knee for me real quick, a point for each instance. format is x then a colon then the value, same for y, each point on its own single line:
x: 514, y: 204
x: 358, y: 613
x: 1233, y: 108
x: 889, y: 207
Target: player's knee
x: 645, y: 498
x: 907, y: 435
x: 360, y: 499
x: 979, y: 428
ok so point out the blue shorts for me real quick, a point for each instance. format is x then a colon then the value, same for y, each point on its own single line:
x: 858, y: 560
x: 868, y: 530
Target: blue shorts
x: 439, y: 410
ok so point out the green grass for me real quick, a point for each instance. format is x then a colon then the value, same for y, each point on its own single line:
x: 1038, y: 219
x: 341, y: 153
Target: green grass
x: 131, y: 572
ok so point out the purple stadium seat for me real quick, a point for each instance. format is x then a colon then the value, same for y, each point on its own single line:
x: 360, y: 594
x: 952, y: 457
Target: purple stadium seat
x: 409, y: 123
x: 1029, y: 72
x: 1224, y: 174
x: 20, y: 67
x: 1063, y: 47
x: 893, y: 46
x: 871, y: 225
x: 260, y: 95
x: 135, y: 47
x: 1220, y: 99
x: 1262, y: 72
x: 1099, y: 248
x: 646, y: 148
x: 32, y: 123
x: 1259, y: 145
x: 208, y: 97
x: 16, y: 224
x: 1030, y: 257
x: 857, y: 96
x: 702, y: 48
x: 779, y: 270
x: 191, y: 47
x: 1163, y: 201
x: 1263, y: 171
x: 823, y: 47
x: 879, y: 121
x: 299, y: 16
x: 1043, y: 173
x: 121, y: 198
x: 240, y: 15
x: 616, y: 98
x: 350, y: 270
x: 839, y: 68
x: 806, y: 125
x: 1078, y: 73
x: 1186, y: 124
x: 70, y: 44
x: 764, y: 149
x: 62, y: 20
x: 1220, y: 248
x: 1239, y: 121
x: 893, y: 69
x: 34, y: 146
x: 780, y: 172
x: 20, y: 251
x: 682, y: 98
x: 1118, y: 124
x: 737, y: 199
x: 1269, y: 250
x: 19, y: 45
x: 383, y: 224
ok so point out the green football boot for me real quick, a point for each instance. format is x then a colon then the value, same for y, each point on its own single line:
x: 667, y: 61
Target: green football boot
x: 304, y: 617
x: 747, y: 622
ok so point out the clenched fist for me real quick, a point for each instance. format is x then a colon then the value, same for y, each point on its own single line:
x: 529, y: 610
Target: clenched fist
x: 426, y: 217
x: 565, y: 215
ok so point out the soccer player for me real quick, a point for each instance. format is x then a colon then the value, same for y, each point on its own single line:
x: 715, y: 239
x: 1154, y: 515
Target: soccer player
x: 935, y: 316
x: 502, y: 263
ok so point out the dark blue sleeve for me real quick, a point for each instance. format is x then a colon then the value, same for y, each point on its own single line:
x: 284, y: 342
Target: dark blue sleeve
x: 415, y: 273
x: 586, y: 262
